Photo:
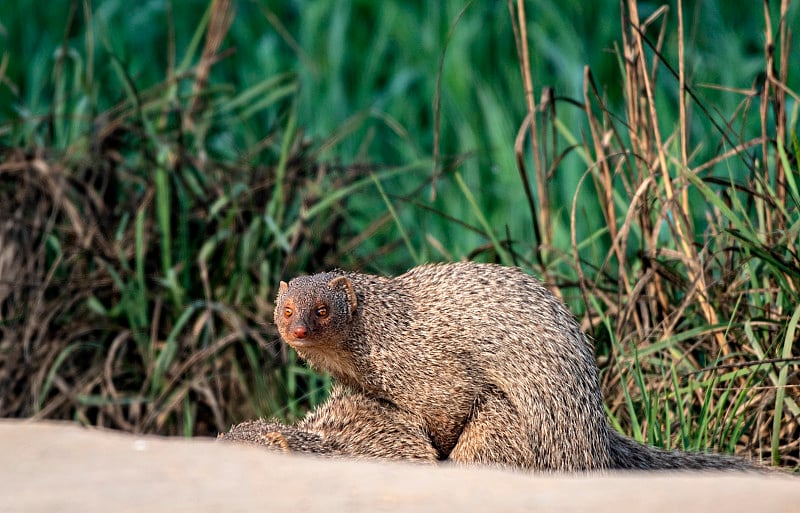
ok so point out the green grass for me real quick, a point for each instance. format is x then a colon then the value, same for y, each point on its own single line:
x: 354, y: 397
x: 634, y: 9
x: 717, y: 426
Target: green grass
x: 160, y: 209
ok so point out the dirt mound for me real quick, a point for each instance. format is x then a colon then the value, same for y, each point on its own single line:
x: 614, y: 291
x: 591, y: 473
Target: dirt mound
x: 63, y: 467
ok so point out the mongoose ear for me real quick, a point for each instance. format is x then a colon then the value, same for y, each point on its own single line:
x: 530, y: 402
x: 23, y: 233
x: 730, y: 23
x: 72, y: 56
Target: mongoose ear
x: 344, y: 283
x: 283, y: 287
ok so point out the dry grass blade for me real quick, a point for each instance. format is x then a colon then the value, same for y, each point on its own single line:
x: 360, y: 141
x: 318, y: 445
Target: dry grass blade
x: 436, y: 103
x: 541, y: 216
x: 222, y: 14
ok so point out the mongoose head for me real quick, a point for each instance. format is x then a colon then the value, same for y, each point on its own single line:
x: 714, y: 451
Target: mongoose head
x: 315, y: 312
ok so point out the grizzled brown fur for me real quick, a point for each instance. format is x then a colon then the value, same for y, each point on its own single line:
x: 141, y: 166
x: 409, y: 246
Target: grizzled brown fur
x: 494, y: 365
x: 349, y: 424
x: 627, y: 454
x: 277, y: 436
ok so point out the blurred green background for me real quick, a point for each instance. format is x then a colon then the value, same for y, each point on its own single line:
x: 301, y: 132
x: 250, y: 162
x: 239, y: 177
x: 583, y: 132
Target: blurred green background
x: 368, y: 71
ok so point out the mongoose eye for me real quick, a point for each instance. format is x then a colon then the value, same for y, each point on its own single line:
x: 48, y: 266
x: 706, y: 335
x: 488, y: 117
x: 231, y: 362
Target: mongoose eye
x: 322, y: 311
x: 287, y: 312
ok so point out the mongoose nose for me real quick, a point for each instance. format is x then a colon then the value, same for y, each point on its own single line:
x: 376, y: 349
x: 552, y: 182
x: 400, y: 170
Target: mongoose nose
x: 300, y: 332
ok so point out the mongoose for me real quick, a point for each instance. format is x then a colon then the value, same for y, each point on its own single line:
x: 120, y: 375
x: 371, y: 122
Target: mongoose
x: 494, y: 364
x: 348, y: 424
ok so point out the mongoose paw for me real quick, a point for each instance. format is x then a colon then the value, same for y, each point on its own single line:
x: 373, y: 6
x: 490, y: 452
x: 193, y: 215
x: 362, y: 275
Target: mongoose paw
x: 275, y: 440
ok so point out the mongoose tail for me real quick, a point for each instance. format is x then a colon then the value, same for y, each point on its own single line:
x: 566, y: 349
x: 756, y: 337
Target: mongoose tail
x: 628, y: 454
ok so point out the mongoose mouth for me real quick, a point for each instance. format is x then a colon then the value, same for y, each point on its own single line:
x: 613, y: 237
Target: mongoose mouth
x: 301, y: 343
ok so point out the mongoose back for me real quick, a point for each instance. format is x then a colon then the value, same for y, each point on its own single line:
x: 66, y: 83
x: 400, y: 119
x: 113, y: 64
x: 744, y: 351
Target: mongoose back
x: 493, y: 363
x: 348, y: 424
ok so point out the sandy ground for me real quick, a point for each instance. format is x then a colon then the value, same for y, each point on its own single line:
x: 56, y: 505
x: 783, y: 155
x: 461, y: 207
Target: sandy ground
x: 57, y: 467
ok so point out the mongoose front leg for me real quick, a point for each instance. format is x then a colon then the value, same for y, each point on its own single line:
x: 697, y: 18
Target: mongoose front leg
x: 358, y: 425
x: 494, y: 434
x: 277, y: 436
x: 349, y: 424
